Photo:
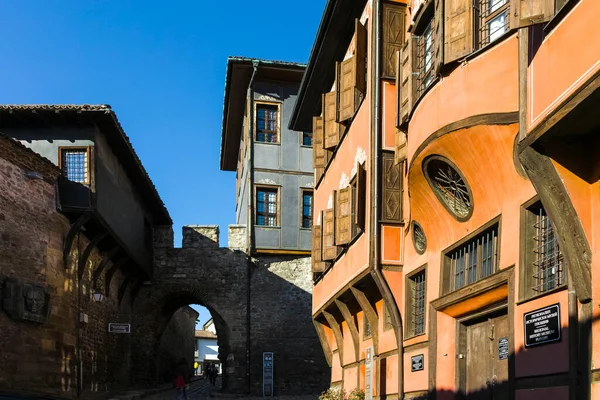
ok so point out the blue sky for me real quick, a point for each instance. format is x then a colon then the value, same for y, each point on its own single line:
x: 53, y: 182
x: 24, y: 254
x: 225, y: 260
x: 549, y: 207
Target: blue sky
x: 161, y: 66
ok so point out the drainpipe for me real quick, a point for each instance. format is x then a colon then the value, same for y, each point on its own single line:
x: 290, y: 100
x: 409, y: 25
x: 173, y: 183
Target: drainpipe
x: 250, y: 219
x: 376, y: 185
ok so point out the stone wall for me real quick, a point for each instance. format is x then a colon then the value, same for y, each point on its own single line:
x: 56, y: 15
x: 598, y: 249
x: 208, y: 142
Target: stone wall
x: 223, y: 280
x: 177, y: 344
x: 49, y: 355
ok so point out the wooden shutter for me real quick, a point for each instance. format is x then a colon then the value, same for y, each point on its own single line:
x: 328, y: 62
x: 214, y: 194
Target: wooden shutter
x: 391, y: 189
x: 458, y: 32
x: 343, y: 222
x: 438, y: 36
x: 361, y: 197
x: 317, y: 262
x: 319, y: 156
x: 407, y: 82
x: 351, y: 76
x: 328, y: 226
x: 530, y: 12
x: 401, y: 146
x: 394, y: 19
x: 330, y: 125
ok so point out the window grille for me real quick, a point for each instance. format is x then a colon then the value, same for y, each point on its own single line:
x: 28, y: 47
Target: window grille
x: 548, y: 260
x: 307, y: 199
x: 449, y: 186
x: 307, y: 139
x: 419, y: 238
x: 493, y: 20
x: 474, y: 260
x: 266, y: 123
x: 266, y: 207
x: 425, y: 59
x: 417, y: 287
x: 74, y: 164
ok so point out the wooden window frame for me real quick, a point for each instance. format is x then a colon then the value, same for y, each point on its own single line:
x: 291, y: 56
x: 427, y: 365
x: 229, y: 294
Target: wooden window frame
x: 447, y: 281
x: 482, y: 20
x: 410, y: 329
x: 527, y: 257
x: 257, y: 105
x: 268, y: 188
x: 312, y: 207
x: 88, y: 150
x: 306, y: 134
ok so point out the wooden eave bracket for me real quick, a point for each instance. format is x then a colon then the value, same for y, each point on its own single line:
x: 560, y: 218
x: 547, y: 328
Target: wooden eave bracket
x: 86, y: 253
x: 73, y: 230
x: 337, y: 333
x: 370, y: 313
x: 351, y: 326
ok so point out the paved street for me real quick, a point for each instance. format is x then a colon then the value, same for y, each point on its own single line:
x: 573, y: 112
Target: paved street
x: 202, y: 389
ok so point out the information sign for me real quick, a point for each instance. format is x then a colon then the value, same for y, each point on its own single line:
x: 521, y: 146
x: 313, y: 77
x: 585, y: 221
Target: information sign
x: 417, y: 363
x: 542, y: 326
x: 503, y: 348
x: 267, y: 373
x: 369, y: 373
x: 119, y: 328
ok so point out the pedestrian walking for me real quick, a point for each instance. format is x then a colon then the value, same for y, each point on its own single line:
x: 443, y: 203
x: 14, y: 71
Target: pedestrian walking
x: 213, y: 374
x: 181, y: 387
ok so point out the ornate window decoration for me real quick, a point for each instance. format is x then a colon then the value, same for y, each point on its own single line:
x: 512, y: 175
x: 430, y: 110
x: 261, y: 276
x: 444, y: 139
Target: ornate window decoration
x: 450, y: 186
x: 419, y: 239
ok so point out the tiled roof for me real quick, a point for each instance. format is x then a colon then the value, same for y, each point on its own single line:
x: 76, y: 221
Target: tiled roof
x: 101, y: 114
x: 263, y: 61
x: 205, y: 335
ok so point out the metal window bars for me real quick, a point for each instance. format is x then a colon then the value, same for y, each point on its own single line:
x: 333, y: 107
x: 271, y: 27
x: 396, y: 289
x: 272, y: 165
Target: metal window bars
x: 425, y: 73
x: 266, y: 123
x: 493, y: 20
x: 549, y: 262
x: 474, y: 260
x: 418, y: 303
x: 74, y: 164
x: 266, y: 208
x: 307, y: 199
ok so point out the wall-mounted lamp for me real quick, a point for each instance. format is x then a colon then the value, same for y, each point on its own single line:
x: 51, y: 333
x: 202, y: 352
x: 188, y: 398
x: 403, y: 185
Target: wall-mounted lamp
x: 98, y: 296
x: 33, y: 175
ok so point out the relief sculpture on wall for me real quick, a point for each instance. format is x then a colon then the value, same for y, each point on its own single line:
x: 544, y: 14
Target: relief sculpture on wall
x: 25, y: 302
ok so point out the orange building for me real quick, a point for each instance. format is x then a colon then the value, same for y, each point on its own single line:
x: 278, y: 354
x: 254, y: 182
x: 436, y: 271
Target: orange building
x: 456, y: 189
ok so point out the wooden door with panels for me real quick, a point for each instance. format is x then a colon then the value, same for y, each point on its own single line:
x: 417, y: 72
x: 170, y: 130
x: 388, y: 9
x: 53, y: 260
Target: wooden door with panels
x: 483, y: 357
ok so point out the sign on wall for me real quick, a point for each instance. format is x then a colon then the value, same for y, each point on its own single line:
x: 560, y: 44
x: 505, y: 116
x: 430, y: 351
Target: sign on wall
x: 503, y: 348
x: 119, y: 328
x: 369, y: 373
x: 417, y: 363
x: 542, y: 326
x: 267, y: 373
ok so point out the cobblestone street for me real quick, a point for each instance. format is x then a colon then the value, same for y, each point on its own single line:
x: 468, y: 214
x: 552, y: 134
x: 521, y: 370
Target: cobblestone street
x: 202, y: 389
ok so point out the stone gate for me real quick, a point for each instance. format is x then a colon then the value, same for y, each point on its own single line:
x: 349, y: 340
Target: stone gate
x: 257, y: 305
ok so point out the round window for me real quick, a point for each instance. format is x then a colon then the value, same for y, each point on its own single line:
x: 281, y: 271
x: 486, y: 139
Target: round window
x: 419, y: 239
x: 449, y: 186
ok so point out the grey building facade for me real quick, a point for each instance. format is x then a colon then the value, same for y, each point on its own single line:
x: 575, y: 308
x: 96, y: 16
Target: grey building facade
x: 273, y: 164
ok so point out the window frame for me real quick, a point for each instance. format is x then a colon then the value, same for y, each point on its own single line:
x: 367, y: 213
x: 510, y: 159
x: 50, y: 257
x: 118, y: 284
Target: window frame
x: 87, y: 149
x: 312, y: 207
x: 447, y: 284
x: 267, y: 104
x: 481, y: 20
x: 306, y: 134
x: 526, y: 256
x: 268, y: 188
x: 409, y: 304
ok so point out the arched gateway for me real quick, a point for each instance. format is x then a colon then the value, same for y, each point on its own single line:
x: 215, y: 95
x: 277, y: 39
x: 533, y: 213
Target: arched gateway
x: 257, y: 306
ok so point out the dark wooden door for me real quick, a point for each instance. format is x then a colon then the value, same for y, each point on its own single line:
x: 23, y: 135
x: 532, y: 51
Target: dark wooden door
x: 486, y: 370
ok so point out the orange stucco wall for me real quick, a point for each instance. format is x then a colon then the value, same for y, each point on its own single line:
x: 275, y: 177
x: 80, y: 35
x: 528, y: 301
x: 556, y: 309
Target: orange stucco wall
x: 567, y: 57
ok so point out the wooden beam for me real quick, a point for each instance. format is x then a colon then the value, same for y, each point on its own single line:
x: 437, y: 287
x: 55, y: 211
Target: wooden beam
x: 123, y: 288
x: 110, y: 273
x: 108, y: 257
x: 324, y: 342
x: 83, y: 257
x: 351, y: 326
x: 75, y: 227
x: 337, y: 333
x: 370, y: 313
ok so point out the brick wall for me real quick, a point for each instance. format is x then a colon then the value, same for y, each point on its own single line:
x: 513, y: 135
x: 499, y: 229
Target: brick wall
x: 44, y: 357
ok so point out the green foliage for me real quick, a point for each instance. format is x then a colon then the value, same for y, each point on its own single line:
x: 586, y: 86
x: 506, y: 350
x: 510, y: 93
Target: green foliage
x: 357, y: 394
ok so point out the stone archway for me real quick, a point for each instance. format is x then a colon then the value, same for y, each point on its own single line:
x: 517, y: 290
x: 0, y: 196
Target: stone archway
x: 200, y: 273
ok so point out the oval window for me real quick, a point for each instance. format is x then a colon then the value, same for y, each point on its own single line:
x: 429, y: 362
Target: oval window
x: 449, y: 186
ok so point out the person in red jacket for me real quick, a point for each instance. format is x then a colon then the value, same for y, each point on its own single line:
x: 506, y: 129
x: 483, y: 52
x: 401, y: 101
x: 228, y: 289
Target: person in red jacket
x: 181, y: 387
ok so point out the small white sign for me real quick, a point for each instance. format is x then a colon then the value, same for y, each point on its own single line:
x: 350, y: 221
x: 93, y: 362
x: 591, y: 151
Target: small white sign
x: 369, y: 373
x: 119, y: 328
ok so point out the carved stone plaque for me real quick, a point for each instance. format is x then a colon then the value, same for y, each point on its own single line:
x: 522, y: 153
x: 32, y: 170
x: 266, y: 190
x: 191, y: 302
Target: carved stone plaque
x: 26, y: 302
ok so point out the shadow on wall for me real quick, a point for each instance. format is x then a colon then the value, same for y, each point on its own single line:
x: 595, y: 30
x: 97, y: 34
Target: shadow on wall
x: 257, y: 306
x: 544, y: 372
